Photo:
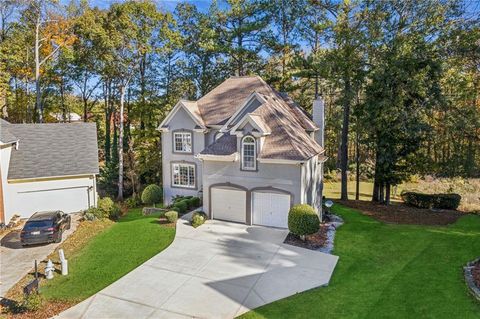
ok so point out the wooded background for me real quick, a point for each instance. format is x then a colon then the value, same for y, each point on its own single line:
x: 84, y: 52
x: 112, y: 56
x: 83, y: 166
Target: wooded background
x: 400, y: 78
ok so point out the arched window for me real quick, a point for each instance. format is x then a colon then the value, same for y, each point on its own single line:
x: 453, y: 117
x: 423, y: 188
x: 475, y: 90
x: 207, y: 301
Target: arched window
x: 249, y: 153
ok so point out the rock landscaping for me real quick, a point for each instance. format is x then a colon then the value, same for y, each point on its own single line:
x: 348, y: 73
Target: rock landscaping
x: 472, y: 277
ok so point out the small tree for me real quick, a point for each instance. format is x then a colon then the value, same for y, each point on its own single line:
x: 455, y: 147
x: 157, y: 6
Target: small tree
x: 152, y: 194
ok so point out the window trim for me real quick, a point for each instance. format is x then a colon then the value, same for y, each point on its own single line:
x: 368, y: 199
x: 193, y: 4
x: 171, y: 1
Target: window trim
x: 242, y: 144
x: 172, y: 182
x: 182, y: 131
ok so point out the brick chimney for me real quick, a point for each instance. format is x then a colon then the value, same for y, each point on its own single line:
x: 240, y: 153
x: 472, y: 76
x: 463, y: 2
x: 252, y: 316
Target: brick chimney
x: 318, y: 116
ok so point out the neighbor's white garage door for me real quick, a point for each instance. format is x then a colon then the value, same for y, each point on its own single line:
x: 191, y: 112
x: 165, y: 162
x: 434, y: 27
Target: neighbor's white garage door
x: 67, y: 200
x: 271, y: 209
x: 229, y: 204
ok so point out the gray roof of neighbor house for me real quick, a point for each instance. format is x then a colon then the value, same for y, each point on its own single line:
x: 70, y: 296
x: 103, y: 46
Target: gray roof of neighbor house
x: 289, y: 126
x: 5, y: 135
x: 53, y: 150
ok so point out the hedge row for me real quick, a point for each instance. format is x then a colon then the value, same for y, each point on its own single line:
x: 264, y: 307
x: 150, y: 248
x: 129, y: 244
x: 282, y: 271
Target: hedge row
x: 182, y: 204
x: 439, y: 201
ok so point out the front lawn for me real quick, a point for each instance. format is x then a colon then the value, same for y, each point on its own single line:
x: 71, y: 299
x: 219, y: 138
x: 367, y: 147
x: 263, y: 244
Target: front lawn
x: 391, y: 271
x: 110, y: 255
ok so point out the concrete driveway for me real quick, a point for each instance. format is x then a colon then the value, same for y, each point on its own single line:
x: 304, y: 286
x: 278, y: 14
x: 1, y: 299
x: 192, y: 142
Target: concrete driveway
x: 219, y: 270
x: 16, y: 261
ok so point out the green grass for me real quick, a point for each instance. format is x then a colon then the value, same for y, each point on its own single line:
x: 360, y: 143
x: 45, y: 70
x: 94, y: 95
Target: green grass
x: 333, y: 190
x: 110, y: 255
x: 391, y: 271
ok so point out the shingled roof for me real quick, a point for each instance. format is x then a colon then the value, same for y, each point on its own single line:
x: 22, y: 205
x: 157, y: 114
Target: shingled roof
x: 53, y: 150
x: 5, y: 135
x: 288, y: 124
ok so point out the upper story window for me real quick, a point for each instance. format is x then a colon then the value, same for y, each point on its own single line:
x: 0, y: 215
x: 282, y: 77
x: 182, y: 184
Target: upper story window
x: 249, y: 153
x: 182, y: 142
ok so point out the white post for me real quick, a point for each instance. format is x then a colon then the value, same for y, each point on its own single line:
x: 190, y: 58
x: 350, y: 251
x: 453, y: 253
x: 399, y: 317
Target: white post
x: 61, y: 255
x: 64, y: 267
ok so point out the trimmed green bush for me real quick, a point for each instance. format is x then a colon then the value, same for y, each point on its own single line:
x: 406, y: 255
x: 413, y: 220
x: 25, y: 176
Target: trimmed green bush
x: 171, y: 216
x: 198, y: 218
x: 182, y: 207
x: 303, y: 220
x: 194, y: 202
x: 439, y: 201
x: 152, y: 194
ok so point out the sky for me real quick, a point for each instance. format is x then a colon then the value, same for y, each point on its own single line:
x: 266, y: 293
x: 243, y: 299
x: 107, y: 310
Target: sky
x: 167, y: 5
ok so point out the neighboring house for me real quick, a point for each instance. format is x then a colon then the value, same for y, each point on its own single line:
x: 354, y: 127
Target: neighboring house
x: 47, y: 167
x: 249, y: 151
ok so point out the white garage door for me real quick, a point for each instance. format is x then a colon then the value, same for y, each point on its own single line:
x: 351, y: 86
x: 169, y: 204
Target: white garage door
x: 67, y: 199
x: 229, y: 204
x: 271, y: 209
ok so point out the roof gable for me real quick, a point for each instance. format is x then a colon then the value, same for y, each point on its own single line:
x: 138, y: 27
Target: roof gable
x: 190, y: 108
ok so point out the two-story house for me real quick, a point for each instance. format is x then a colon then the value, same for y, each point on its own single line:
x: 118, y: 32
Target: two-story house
x: 248, y: 150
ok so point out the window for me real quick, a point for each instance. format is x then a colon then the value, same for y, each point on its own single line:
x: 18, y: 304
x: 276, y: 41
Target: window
x: 182, y: 142
x: 183, y: 175
x: 249, y: 155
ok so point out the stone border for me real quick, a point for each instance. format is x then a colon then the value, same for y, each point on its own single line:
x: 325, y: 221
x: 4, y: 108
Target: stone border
x: 335, y: 222
x: 474, y: 289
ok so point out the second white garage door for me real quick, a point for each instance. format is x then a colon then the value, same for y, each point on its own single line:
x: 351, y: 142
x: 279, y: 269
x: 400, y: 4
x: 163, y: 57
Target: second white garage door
x: 271, y: 209
x: 229, y: 204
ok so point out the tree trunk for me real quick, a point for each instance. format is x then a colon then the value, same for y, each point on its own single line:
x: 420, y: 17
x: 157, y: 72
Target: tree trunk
x: 387, y: 194
x: 108, y: 119
x: 120, y: 144
x: 381, y: 190
x: 38, y: 101
x: 344, y: 147
x: 357, y: 164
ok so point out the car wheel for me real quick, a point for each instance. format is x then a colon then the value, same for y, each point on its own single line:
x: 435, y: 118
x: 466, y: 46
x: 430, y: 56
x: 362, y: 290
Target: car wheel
x: 59, y: 237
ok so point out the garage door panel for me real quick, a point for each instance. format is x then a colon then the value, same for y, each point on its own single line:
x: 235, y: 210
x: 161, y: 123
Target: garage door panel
x: 271, y: 209
x: 68, y: 200
x: 229, y: 204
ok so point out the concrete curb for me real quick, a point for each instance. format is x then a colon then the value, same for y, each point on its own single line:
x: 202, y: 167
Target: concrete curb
x: 474, y: 289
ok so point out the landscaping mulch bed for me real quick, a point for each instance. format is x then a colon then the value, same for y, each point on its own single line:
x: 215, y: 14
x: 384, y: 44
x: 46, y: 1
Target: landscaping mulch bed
x: 51, y: 309
x: 313, y: 242
x: 476, y: 273
x: 399, y: 213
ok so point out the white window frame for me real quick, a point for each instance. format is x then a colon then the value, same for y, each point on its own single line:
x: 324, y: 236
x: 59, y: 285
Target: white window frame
x: 254, y: 144
x: 186, y: 181
x: 183, y: 135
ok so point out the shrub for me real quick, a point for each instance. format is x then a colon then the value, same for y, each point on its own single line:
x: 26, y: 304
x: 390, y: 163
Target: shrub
x: 133, y: 202
x: 32, y: 302
x: 194, y: 202
x: 181, y: 206
x: 115, y: 212
x: 152, y: 194
x: 198, y: 218
x: 439, y: 201
x: 94, y: 213
x: 106, y: 204
x: 303, y: 220
x: 171, y: 216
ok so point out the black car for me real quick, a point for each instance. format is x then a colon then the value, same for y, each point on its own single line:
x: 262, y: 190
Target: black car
x: 45, y: 227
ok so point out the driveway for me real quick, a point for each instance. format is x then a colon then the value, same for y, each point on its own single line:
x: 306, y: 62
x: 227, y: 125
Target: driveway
x: 16, y: 261
x: 219, y: 270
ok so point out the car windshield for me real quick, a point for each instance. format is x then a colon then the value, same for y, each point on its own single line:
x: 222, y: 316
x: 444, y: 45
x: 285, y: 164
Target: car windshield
x: 38, y: 224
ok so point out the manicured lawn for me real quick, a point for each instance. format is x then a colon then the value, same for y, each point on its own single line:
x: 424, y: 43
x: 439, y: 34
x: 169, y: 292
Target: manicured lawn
x: 333, y: 190
x: 110, y: 255
x: 391, y: 271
